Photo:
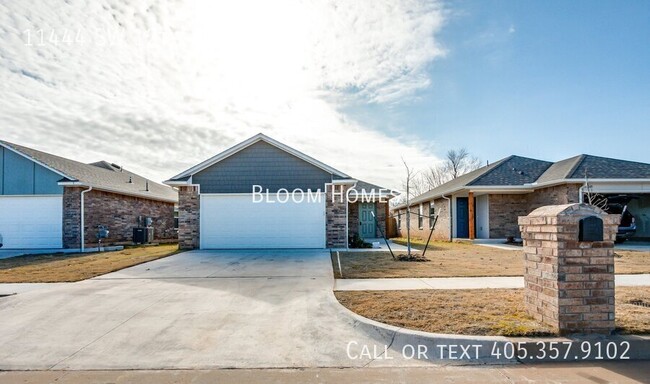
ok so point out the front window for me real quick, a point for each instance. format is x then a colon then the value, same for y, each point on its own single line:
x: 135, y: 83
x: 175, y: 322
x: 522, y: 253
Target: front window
x: 420, y: 217
x: 399, y: 219
x: 432, y: 214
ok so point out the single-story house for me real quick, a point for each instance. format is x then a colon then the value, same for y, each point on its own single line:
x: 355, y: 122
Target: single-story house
x: 46, y: 199
x: 264, y: 194
x: 485, y: 203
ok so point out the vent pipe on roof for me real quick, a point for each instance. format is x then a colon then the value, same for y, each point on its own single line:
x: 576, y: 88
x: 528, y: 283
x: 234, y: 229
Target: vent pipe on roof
x: 146, y: 186
x: 130, y: 180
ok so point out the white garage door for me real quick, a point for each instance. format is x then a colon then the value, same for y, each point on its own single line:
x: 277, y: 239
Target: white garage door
x: 235, y: 221
x: 31, y: 221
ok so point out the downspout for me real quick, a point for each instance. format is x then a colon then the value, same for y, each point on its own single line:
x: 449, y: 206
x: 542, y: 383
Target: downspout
x: 580, y: 194
x: 347, y: 220
x: 451, y: 218
x: 82, y: 229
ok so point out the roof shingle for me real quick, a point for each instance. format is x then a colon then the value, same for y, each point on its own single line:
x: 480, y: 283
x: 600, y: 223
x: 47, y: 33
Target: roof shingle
x: 101, y: 175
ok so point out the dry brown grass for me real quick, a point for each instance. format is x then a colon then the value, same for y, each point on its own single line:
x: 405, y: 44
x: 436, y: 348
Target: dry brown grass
x: 492, y: 312
x: 460, y: 260
x: 632, y: 262
x: 447, y: 259
x: 61, y: 267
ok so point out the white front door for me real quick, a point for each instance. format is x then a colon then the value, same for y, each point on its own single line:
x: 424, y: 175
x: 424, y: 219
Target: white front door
x: 235, y: 221
x: 31, y: 221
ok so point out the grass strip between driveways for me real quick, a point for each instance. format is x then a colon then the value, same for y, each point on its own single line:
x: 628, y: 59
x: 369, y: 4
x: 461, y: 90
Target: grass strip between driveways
x: 488, y: 312
x: 60, y: 267
x: 449, y: 259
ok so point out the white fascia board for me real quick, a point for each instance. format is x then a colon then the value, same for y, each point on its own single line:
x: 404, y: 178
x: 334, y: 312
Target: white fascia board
x: 246, y: 143
x: 501, y: 189
x: 343, y: 182
x: 582, y: 181
x: 115, y: 191
x: 37, y: 162
x: 177, y: 183
x: 419, y: 200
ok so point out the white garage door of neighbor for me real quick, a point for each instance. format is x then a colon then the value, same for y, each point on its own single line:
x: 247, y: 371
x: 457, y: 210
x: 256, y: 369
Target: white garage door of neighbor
x: 235, y: 221
x: 31, y: 221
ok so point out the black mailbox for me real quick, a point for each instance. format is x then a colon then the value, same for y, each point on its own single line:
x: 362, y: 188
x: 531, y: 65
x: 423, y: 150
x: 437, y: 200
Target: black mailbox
x: 591, y: 229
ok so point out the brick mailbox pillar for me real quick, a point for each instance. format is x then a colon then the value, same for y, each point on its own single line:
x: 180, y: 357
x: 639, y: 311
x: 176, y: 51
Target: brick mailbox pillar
x: 569, y: 267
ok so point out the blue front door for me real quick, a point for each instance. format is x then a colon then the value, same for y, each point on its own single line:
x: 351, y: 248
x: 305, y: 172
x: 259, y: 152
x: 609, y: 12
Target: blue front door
x: 366, y: 221
x: 462, y: 217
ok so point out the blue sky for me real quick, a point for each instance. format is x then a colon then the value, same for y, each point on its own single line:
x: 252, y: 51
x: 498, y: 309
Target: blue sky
x: 159, y: 86
x: 543, y: 79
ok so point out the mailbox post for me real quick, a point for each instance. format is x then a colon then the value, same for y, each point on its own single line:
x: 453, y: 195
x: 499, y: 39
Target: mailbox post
x: 569, y: 267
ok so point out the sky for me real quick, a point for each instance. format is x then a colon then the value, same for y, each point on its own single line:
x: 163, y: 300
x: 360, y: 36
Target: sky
x: 158, y: 86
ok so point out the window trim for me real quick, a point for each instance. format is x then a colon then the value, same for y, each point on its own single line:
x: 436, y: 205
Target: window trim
x: 421, y: 216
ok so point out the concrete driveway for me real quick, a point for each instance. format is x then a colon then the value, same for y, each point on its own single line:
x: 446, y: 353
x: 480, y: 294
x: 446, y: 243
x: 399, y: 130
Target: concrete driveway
x: 200, y: 309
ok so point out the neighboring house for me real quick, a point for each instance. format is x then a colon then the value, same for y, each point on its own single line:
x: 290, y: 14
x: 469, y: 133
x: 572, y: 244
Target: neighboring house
x: 42, y: 197
x: 485, y: 203
x: 219, y: 209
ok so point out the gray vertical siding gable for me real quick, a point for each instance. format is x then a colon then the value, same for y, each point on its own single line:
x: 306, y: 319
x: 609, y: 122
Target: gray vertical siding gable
x: 261, y: 164
x: 22, y: 176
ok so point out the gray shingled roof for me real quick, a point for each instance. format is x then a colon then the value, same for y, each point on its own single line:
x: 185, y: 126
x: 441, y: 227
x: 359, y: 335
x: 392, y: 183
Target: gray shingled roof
x: 361, y: 185
x: 605, y: 168
x: 455, y: 184
x: 514, y: 170
x: 595, y: 167
x: 522, y: 171
x: 101, y: 175
x: 560, y: 170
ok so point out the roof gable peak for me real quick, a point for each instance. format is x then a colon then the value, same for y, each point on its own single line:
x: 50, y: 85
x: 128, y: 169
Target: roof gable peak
x: 247, y: 143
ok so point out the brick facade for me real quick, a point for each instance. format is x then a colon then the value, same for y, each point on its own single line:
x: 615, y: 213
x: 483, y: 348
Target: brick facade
x: 503, y: 213
x: 119, y: 213
x: 72, y: 217
x: 441, y: 231
x: 506, y: 208
x: 188, y: 217
x: 335, y: 216
x: 569, y: 284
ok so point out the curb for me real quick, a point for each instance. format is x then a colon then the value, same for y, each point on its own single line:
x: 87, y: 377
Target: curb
x: 464, y: 349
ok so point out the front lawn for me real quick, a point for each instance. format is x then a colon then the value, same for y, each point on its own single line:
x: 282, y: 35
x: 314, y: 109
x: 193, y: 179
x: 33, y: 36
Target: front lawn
x: 459, y: 260
x: 488, y: 312
x: 60, y: 267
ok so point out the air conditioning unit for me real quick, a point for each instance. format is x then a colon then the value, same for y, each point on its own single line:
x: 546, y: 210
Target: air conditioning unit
x: 142, y: 235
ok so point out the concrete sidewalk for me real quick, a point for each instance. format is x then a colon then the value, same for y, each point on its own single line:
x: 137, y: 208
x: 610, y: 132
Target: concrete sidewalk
x: 459, y: 283
x: 581, y: 372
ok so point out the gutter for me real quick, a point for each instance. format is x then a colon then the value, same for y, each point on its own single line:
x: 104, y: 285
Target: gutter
x: 82, y: 229
x: 119, y: 192
x: 530, y: 187
x: 581, y: 194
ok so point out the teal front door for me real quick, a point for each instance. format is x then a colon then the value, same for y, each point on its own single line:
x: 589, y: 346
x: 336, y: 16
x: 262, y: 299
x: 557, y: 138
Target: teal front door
x: 366, y: 221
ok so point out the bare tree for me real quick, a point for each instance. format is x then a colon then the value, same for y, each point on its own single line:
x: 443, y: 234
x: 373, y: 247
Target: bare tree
x: 410, y: 174
x: 460, y: 162
x: 418, y: 184
x: 457, y: 162
x: 436, y: 176
x: 594, y: 199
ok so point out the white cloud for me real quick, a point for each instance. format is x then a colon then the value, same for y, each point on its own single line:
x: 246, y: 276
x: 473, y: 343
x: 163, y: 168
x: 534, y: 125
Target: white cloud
x: 159, y: 86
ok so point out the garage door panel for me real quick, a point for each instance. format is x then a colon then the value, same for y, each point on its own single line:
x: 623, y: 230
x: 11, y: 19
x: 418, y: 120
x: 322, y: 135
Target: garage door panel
x: 31, y: 221
x: 237, y: 222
